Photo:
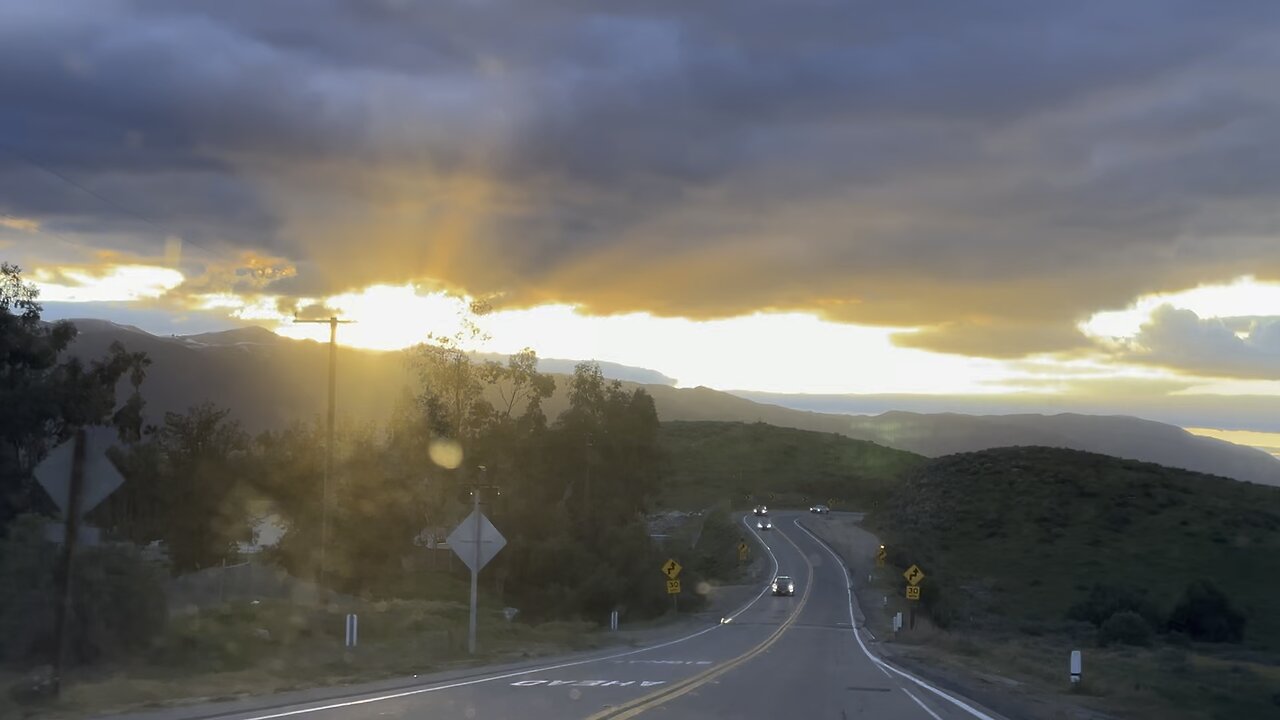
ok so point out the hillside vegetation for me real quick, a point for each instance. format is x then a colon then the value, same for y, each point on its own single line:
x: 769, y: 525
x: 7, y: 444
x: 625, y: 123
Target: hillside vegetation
x: 707, y: 462
x: 1028, y: 532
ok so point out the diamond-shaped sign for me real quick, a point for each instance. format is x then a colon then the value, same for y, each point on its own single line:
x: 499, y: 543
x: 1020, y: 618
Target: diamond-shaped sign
x: 463, y: 540
x: 913, y: 575
x: 101, y: 478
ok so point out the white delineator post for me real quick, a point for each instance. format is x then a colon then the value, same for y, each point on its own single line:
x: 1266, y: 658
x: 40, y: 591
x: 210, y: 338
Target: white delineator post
x: 1076, y: 666
x: 353, y: 629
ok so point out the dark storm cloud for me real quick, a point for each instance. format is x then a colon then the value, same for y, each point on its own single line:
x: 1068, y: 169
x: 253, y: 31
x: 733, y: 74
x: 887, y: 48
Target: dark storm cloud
x: 989, y: 172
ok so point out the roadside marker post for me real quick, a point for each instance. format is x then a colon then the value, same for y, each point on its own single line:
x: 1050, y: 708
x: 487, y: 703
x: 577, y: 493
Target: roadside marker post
x: 353, y: 629
x: 1076, y: 666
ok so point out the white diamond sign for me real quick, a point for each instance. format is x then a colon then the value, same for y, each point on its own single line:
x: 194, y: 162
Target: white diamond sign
x: 463, y: 540
x: 101, y: 478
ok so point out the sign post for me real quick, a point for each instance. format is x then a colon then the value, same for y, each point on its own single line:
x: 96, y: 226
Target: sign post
x: 672, y: 569
x: 475, y: 541
x: 77, y: 475
x: 743, y: 551
x: 913, y: 575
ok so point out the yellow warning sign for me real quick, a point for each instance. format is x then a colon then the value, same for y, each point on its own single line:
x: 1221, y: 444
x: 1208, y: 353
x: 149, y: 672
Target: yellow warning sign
x: 913, y: 575
x: 671, y: 569
x: 673, y: 587
x: 913, y: 592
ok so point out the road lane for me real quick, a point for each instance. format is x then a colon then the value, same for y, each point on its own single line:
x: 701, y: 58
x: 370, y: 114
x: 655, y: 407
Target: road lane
x: 797, y: 657
x: 818, y: 668
x: 577, y: 688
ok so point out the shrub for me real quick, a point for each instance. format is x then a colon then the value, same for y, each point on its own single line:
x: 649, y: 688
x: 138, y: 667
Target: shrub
x: 1205, y: 613
x: 117, y: 602
x: 1104, y: 601
x: 1124, y: 628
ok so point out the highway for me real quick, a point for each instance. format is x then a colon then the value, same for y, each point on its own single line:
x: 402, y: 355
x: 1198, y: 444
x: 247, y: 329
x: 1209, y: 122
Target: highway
x: 776, y: 657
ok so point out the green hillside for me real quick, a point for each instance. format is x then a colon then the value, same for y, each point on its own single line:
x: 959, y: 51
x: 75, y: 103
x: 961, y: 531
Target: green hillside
x: 707, y: 462
x: 1026, y: 532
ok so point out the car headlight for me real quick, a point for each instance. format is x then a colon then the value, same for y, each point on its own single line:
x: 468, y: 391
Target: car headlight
x: 791, y: 588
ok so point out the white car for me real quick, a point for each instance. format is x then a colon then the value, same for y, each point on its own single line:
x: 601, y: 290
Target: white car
x: 765, y: 524
x: 820, y: 509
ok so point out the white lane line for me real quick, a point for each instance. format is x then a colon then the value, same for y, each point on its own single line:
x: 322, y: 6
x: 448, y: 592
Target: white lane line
x: 932, y: 714
x: 747, y: 523
x: 848, y: 583
x: 504, y: 676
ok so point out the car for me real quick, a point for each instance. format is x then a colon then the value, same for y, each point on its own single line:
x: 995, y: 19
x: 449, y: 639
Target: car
x: 783, y: 585
x: 765, y: 524
x: 761, y: 511
x: 820, y: 509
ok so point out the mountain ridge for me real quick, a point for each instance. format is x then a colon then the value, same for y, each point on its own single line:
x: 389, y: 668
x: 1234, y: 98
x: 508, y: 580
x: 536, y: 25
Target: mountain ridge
x: 273, y: 383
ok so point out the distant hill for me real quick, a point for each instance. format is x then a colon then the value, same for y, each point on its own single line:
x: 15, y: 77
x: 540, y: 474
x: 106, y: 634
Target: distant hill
x: 269, y: 381
x: 1119, y: 435
x: 1024, y: 532
x: 707, y: 462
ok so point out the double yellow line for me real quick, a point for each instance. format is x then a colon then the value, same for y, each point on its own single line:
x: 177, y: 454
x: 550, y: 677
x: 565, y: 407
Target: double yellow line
x: 648, y: 702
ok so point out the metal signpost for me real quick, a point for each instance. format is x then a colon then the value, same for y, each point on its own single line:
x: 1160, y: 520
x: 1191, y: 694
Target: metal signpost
x: 475, y: 541
x: 672, y: 569
x: 77, y: 475
x: 913, y: 575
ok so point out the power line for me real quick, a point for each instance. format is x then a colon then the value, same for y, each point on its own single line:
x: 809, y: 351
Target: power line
x: 107, y: 201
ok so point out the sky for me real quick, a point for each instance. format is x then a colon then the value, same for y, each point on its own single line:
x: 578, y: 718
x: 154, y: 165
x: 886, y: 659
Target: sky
x: 1070, y: 200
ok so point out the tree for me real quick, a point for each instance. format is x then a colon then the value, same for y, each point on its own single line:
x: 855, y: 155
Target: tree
x: 187, y: 488
x: 46, y: 398
x: 1205, y: 613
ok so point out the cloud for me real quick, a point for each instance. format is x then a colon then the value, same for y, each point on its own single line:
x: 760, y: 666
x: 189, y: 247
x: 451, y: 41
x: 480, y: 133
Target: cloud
x: 1208, y: 347
x: 992, y: 174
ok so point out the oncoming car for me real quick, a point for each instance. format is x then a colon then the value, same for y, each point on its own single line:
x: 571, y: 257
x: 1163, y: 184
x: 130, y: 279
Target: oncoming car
x: 764, y: 524
x: 820, y: 509
x: 761, y: 511
x: 783, y: 585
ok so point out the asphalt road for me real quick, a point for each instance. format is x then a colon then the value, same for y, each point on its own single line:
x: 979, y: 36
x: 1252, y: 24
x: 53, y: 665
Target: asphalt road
x: 777, y: 657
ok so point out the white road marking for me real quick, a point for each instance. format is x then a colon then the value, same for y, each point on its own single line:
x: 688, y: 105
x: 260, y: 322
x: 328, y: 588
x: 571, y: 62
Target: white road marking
x: 504, y: 676
x: 848, y: 582
x: 932, y: 714
x: 586, y: 683
x: 662, y: 662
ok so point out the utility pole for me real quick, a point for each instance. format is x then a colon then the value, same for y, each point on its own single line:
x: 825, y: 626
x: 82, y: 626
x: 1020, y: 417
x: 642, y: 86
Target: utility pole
x: 333, y: 323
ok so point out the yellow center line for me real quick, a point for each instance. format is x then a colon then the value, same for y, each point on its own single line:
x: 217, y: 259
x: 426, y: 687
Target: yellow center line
x: 648, y: 702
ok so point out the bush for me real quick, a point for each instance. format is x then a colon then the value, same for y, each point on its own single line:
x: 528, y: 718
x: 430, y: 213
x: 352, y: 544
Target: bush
x: 1125, y: 628
x: 1205, y: 613
x: 1105, y: 601
x: 117, y: 602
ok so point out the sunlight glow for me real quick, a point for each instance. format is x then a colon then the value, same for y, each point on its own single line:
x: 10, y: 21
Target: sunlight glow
x: 1268, y: 442
x: 1244, y: 297
x: 113, y: 283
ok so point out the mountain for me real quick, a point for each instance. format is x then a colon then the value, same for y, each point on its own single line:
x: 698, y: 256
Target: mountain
x: 1118, y: 435
x: 269, y: 381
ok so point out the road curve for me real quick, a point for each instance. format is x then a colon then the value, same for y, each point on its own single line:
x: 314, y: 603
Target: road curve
x: 793, y: 657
